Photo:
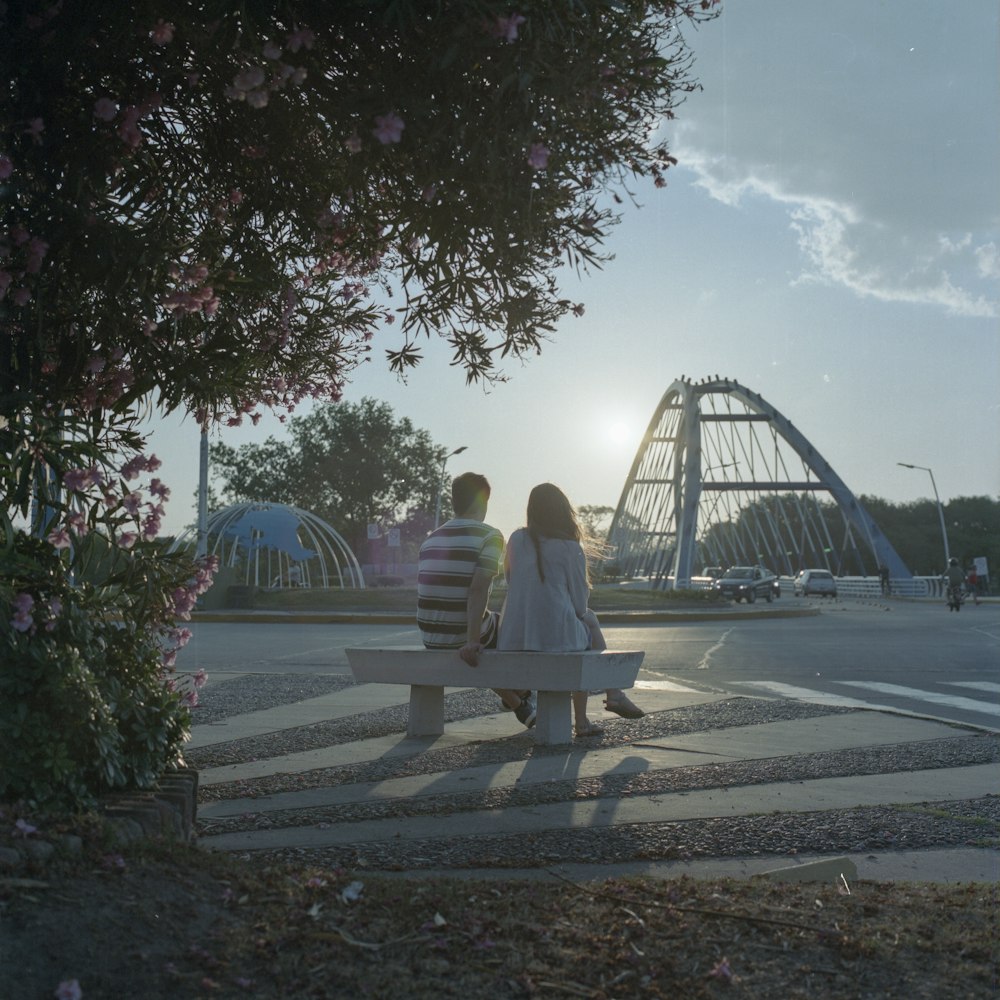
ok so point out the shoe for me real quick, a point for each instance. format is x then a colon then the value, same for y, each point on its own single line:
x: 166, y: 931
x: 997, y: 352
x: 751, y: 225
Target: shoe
x: 524, y: 695
x: 588, y: 730
x: 624, y: 707
x: 525, y: 712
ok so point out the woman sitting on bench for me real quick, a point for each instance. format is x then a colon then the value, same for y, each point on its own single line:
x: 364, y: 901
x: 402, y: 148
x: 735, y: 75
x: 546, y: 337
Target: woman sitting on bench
x: 547, y: 590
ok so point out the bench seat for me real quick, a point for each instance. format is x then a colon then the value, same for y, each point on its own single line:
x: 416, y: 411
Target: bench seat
x: 555, y: 676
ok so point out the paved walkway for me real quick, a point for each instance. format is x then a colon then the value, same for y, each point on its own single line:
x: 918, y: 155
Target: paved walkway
x: 749, y: 743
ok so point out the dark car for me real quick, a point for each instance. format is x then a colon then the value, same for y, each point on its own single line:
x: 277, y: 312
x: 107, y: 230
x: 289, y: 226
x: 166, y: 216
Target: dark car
x: 747, y: 583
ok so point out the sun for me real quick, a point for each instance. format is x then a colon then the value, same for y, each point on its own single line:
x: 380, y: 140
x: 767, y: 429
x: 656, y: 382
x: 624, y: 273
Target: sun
x: 617, y: 432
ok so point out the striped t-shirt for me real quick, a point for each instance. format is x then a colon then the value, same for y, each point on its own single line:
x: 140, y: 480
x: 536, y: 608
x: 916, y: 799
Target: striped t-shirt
x: 448, y: 559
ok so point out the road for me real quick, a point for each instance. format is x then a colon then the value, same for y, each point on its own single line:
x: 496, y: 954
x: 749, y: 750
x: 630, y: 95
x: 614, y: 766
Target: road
x: 909, y: 657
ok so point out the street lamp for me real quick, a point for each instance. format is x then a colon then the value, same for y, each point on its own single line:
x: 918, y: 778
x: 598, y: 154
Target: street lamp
x: 444, y: 460
x: 944, y: 531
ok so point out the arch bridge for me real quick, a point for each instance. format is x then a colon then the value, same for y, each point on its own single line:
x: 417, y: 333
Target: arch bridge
x: 722, y: 478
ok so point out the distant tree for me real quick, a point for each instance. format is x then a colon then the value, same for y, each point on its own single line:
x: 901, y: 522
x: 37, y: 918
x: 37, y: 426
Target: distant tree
x: 594, y: 519
x: 353, y: 464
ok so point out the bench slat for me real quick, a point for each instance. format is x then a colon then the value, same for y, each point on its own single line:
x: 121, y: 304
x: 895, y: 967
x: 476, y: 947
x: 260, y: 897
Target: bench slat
x: 578, y: 671
x: 553, y: 675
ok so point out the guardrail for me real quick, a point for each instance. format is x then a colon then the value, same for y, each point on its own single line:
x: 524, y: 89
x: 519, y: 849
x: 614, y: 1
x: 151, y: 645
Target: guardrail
x: 861, y: 586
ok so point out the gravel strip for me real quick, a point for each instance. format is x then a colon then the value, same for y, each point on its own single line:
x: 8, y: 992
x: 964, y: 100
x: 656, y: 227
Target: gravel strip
x: 959, y: 752
x: 974, y: 822
x: 473, y: 703
x: 254, y: 692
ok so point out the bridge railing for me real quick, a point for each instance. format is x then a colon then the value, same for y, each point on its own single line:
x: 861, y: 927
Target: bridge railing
x: 862, y: 586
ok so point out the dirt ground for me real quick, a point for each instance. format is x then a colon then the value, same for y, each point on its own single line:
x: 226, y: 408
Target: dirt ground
x: 169, y: 921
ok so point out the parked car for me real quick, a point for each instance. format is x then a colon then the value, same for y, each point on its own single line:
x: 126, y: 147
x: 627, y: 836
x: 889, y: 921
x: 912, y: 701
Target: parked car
x: 815, y: 581
x: 747, y: 583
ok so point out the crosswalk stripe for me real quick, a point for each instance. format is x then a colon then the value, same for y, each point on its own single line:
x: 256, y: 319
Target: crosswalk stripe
x: 977, y: 685
x: 813, y: 696
x: 952, y: 701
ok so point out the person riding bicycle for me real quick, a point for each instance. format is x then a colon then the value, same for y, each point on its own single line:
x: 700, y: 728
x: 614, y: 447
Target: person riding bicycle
x: 955, y: 579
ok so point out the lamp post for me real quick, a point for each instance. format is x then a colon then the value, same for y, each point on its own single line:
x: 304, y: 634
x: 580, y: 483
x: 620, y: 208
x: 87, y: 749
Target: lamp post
x: 944, y: 531
x: 444, y: 460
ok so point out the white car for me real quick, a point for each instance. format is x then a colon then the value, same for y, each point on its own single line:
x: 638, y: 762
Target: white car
x: 815, y: 581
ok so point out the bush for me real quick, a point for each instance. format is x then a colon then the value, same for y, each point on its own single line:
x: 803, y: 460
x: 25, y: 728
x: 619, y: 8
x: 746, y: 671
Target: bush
x: 88, y: 702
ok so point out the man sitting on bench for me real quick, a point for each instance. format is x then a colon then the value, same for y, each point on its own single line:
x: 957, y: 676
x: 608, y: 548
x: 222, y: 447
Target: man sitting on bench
x: 457, y: 565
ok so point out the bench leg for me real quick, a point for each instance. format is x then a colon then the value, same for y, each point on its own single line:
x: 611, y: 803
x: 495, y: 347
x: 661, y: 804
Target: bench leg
x: 426, y: 710
x: 554, y: 721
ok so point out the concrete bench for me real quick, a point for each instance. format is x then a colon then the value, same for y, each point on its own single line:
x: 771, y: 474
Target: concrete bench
x: 555, y: 676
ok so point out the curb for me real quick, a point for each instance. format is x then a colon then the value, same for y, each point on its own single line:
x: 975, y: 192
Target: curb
x: 405, y: 618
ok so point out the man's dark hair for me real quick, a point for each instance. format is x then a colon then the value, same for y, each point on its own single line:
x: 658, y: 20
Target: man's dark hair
x: 466, y: 489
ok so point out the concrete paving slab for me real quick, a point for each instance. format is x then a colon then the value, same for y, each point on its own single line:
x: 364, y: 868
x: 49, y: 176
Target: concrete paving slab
x: 492, y: 727
x: 758, y: 742
x: 806, y: 796
x: 796, y: 736
x: 501, y: 725
x: 336, y: 705
x: 959, y: 865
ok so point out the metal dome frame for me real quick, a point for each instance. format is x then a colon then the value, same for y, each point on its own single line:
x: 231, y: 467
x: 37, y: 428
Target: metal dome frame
x: 666, y: 497
x: 328, y: 561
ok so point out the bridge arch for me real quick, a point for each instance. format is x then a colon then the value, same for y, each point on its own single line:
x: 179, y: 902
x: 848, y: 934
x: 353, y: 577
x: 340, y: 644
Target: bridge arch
x: 722, y: 476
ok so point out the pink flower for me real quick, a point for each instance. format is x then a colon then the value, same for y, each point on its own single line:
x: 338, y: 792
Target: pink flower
x: 24, y: 829
x: 258, y: 98
x: 128, y: 130
x: 69, y: 989
x: 157, y: 488
x: 22, y: 620
x: 131, y: 502
x: 353, y: 143
x: 299, y: 38
x: 249, y: 79
x: 538, y: 156
x: 127, y: 539
x: 189, y: 699
x: 36, y: 250
x: 271, y: 50
x: 721, y: 970
x: 162, y: 33
x: 59, y: 539
x: 505, y: 28
x: 200, y: 679
x: 6, y: 167
x: 388, y: 128
x: 77, y: 523
x: 105, y: 109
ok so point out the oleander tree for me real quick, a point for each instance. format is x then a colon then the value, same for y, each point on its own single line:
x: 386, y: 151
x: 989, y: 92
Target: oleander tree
x: 222, y: 208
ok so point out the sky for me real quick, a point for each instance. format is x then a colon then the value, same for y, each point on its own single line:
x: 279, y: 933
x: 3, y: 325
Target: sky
x: 830, y: 238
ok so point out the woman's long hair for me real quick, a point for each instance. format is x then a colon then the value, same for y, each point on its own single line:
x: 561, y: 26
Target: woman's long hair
x: 550, y: 515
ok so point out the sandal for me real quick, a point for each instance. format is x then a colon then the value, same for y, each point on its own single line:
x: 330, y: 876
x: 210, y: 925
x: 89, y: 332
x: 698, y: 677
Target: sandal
x: 588, y: 730
x: 624, y: 707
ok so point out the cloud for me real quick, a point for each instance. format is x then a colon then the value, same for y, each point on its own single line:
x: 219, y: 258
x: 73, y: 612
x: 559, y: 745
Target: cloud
x: 872, y: 259
x: 855, y: 121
